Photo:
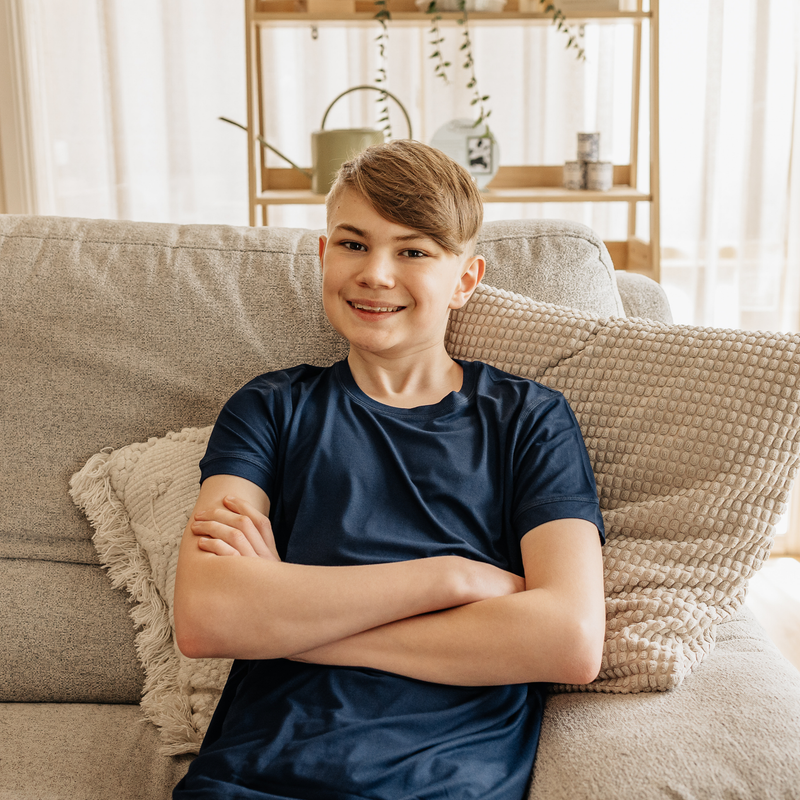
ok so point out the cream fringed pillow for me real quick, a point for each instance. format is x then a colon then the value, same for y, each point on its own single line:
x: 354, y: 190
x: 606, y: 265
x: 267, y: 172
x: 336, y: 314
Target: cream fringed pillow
x: 139, y: 499
x: 693, y: 435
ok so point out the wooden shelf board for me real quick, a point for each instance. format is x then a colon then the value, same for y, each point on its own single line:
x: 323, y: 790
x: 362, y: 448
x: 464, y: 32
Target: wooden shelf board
x: 546, y: 194
x: 415, y: 18
x: 552, y: 194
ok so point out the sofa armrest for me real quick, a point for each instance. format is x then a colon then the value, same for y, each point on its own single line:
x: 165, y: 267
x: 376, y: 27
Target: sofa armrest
x: 643, y: 297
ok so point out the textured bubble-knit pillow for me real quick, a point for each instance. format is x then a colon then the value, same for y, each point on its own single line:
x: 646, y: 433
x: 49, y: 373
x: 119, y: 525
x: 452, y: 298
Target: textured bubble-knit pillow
x: 693, y: 435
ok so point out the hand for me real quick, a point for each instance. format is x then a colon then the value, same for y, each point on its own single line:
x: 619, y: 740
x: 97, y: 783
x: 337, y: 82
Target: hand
x: 235, y: 529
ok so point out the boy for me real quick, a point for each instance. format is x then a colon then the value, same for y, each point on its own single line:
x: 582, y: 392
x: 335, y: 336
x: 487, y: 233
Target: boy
x: 394, y: 548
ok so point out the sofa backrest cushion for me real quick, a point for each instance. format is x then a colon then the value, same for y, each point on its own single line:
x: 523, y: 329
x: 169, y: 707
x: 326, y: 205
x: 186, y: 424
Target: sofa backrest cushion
x: 117, y: 331
x: 552, y: 261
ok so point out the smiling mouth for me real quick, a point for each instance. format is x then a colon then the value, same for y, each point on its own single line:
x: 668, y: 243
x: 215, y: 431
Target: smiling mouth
x: 376, y: 309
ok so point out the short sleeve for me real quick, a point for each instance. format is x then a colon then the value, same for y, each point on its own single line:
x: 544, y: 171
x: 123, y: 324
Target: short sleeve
x: 553, y: 474
x: 245, y: 435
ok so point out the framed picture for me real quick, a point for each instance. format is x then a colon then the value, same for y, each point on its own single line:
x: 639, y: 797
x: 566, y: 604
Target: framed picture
x: 479, y: 154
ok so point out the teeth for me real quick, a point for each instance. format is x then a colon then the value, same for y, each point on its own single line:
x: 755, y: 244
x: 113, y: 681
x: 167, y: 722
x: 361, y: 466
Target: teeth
x: 373, y: 308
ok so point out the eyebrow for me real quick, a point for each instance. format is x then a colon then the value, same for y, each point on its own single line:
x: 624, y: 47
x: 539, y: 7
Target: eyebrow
x: 408, y: 237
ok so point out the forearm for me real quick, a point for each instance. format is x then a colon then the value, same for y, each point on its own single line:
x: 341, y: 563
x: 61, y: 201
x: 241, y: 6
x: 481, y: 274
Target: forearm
x: 256, y: 608
x: 250, y: 608
x: 522, y: 638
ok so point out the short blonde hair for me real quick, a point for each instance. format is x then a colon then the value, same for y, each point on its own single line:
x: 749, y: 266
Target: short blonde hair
x: 417, y: 186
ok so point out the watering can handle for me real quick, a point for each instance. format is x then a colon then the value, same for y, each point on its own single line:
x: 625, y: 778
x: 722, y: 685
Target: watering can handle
x: 374, y: 88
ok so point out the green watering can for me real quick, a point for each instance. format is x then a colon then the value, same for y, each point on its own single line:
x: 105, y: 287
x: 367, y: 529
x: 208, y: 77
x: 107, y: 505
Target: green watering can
x: 330, y: 149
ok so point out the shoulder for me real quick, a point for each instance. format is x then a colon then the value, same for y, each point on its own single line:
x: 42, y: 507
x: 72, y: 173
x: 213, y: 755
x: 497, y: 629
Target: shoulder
x: 284, y: 378
x: 490, y: 381
x: 280, y: 384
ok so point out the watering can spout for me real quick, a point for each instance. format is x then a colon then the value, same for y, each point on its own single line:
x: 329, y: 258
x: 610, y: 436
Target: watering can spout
x: 264, y: 143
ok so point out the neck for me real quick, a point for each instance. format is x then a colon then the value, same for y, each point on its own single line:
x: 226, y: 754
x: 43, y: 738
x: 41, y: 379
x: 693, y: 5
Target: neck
x: 419, y: 380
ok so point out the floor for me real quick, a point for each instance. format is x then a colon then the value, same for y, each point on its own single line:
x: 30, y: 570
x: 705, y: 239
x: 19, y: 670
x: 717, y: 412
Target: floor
x: 774, y: 597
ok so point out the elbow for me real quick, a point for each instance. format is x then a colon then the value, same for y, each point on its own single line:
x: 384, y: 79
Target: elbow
x: 197, y: 631
x: 582, y: 657
x: 190, y: 637
x: 207, y: 626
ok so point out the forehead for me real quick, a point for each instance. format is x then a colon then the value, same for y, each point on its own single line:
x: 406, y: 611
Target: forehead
x: 353, y: 213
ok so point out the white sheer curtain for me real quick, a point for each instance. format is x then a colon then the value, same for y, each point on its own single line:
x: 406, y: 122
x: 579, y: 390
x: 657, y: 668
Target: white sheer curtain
x: 730, y: 149
x: 127, y: 96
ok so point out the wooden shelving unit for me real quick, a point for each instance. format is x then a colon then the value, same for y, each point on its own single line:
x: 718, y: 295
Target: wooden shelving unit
x: 512, y: 184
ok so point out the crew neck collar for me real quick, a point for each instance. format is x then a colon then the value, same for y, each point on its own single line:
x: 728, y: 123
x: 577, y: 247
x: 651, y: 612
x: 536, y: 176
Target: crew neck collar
x: 446, y: 405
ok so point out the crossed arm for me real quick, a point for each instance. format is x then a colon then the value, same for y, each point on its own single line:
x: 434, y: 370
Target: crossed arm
x: 445, y: 619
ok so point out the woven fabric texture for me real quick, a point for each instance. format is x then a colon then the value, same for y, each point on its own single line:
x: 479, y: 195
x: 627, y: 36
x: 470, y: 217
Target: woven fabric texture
x: 139, y: 499
x: 693, y: 435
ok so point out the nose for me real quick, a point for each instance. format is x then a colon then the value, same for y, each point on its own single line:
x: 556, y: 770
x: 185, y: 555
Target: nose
x: 377, y: 271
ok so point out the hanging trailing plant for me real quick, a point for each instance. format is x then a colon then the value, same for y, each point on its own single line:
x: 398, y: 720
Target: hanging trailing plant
x: 441, y: 65
x: 436, y: 41
x: 478, y: 100
x: 574, y: 38
x: 383, y: 15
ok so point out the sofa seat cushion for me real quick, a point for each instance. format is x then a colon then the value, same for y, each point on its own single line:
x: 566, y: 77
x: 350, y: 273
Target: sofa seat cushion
x: 76, y: 751
x: 71, y: 641
x: 731, y: 730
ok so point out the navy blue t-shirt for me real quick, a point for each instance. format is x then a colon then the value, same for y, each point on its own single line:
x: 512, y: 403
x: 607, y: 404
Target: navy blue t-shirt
x: 352, y: 481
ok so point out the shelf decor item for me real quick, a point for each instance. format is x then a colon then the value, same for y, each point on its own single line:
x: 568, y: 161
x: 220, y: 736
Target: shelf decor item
x: 589, y: 172
x: 576, y: 7
x: 331, y: 148
x: 484, y: 6
x: 478, y: 153
x: 575, y: 175
x: 588, y: 147
x: 599, y: 176
x: 325, y: 6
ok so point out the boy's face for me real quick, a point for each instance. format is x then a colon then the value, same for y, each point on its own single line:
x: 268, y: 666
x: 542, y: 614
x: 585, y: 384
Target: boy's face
x: 386, y: 288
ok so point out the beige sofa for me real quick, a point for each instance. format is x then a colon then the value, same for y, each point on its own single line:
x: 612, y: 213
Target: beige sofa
x: 116, y: 333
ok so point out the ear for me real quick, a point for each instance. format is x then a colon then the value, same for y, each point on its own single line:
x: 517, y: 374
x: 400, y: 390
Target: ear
x: 474, y: 269
x: 323, y: 243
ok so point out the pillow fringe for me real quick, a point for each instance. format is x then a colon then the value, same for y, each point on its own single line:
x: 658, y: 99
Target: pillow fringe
x: 128, y: 567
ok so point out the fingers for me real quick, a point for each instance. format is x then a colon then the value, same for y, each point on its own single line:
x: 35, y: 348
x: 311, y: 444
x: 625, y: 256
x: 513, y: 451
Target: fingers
x: 261, y: 522
x: 228, y: 534
x: 236, y: 530
x: 216, y: 546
